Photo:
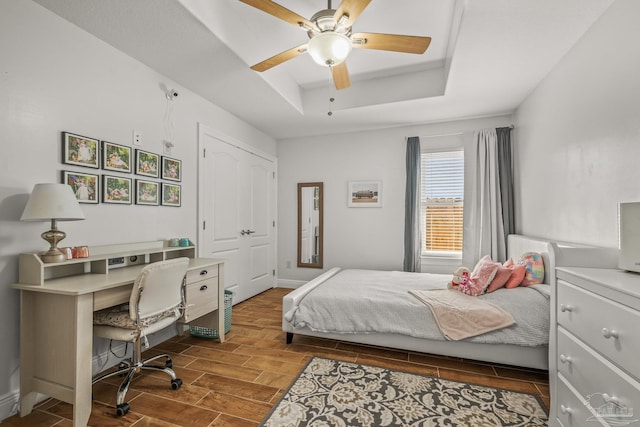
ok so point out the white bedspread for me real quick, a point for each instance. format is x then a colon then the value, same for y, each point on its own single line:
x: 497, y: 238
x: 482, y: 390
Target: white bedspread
x: 366, y: 301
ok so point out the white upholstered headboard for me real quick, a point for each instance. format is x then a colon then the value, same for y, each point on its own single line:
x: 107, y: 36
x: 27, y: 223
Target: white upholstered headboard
x: 561, y: 254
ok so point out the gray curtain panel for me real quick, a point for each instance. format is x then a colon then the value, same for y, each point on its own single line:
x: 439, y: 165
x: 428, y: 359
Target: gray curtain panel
x: 412, y: 207
x: 505, y: 173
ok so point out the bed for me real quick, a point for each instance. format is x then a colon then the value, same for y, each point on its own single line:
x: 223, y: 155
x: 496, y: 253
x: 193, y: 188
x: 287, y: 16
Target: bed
x: 319, y: 308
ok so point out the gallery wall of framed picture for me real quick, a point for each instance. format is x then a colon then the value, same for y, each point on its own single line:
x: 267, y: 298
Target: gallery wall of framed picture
x: 131, y: 176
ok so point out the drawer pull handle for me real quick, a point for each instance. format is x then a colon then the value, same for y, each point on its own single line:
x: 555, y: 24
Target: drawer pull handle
x: 204, y: 272
x: 610, y: 333
x: 565, y: 410
x: 565, y: 359
x: 204, y: 287
x: 564, y: 308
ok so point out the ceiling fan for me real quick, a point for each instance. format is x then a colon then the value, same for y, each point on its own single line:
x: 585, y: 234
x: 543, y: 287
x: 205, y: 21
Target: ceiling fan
x: 331, y: 39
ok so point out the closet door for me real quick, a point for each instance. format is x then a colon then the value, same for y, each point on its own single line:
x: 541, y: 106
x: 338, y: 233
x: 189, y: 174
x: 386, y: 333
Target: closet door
x: 237, y: 206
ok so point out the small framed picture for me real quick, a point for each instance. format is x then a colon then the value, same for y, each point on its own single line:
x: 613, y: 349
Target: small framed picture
x: 147, y: 163
x: 85, y: 186
x: 116, y: 189
x: 171, y: 169
x: 147, y: 192
x: 116, y: 157
x: 171, y: 194
x: 364, y: 194
x: 80, y: 150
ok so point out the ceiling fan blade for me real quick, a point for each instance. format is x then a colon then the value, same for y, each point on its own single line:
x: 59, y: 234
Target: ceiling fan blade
x: 280, y: 12
x: 279, y: 58
x: 341, y: 76
x: 351, y: 8
x: 393, y: 42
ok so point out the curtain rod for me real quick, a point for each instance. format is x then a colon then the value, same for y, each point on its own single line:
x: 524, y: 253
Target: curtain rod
x: 443, y: 134
x: 511, y: 126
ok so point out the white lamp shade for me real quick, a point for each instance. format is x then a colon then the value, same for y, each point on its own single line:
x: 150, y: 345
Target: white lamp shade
x: 52, y: 201
x: 329, y: 48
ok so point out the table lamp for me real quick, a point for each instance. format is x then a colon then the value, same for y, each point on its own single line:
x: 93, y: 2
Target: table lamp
x: 54, y: 202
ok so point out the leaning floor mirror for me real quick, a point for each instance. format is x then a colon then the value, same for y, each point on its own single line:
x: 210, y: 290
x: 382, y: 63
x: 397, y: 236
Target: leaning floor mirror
x: 310, y: 224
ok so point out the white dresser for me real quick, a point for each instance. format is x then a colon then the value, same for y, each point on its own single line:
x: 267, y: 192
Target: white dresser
x: 595, y: 359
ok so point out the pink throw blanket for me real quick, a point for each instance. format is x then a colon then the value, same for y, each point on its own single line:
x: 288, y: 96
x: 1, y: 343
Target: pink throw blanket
x: 461, y: 316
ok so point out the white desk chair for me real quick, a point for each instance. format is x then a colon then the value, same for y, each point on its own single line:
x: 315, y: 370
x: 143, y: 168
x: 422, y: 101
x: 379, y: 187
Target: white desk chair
x: 157, y: 301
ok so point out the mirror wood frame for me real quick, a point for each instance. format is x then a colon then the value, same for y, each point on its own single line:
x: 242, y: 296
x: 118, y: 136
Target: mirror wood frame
x: 319, y: 186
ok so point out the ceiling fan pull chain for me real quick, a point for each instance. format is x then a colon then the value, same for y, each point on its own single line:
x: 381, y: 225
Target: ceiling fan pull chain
x: 331, y: 98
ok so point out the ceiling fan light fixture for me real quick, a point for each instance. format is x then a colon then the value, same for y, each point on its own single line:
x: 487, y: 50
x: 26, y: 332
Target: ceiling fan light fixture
x: 329, y: 48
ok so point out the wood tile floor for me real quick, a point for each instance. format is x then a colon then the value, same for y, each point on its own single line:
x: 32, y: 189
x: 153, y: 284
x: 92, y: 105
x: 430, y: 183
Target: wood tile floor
x: 237, y: 382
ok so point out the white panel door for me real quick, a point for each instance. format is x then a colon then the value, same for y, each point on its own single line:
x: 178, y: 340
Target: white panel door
x: 238, y: 205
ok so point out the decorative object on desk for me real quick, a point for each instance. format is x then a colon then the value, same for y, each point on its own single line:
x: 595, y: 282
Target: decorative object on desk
x: 171, y: 169
x: 85, y: 186
x: 116, y: 189
x: 171, y: 194
x: 116, y: 157
x: 80, y: 252
x: 174, y: 242
x: 335, y: 392
x: 52, y: 202
x: 80, y: 150
x: 68, y: 252
x: 364, y: 194
x: 147, y: 192
x: 184, y: 242
x: 147, y: 163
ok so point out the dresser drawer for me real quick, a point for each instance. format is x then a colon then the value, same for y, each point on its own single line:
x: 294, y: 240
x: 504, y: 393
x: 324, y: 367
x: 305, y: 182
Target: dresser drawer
x: 202, y: 298
x: 203, y: 273
x: 591, y: 375
x: 571, y: 411
x: 608, y: 327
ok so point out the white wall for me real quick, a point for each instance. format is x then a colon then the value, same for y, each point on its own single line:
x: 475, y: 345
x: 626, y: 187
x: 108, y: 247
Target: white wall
x: 578, y: 136
x: 353, y: 237
x: 55, y: 77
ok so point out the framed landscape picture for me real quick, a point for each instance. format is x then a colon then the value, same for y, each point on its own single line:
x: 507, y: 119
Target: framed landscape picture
x: 80, y: 150
x: 147, y: 164
x: 116, y: 157
x: 147, y: 192
x: 171, y: 169
x: 85, y: 186
x: 364, y: 194
x: 116, y: 189
x: 171, y: 194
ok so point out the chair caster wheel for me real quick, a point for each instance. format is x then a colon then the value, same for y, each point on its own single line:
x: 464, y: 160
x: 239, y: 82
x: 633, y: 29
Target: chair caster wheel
x: 122, y: 409
x: 175, y: 384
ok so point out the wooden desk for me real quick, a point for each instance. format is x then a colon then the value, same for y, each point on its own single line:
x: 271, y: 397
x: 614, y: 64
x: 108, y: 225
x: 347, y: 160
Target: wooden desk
x: 57, y: 302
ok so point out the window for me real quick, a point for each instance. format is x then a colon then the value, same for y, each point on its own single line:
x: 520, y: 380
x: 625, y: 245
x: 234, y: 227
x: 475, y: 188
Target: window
x: 442, y: 202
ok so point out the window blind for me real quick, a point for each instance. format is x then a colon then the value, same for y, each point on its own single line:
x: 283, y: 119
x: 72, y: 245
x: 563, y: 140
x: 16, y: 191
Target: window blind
x: 442, y: 201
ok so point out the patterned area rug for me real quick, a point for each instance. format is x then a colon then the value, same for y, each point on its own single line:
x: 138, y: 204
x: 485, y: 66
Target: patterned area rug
x: 335, y: 393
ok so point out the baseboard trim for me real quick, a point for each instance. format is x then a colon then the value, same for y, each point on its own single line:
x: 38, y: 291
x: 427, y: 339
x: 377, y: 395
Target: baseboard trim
x: 9, y: 404
x: 290, y: 284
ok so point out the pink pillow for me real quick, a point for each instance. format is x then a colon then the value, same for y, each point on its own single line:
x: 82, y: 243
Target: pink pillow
x: 500, y: 279
x: 482, y: 275
x: 517, y: 275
